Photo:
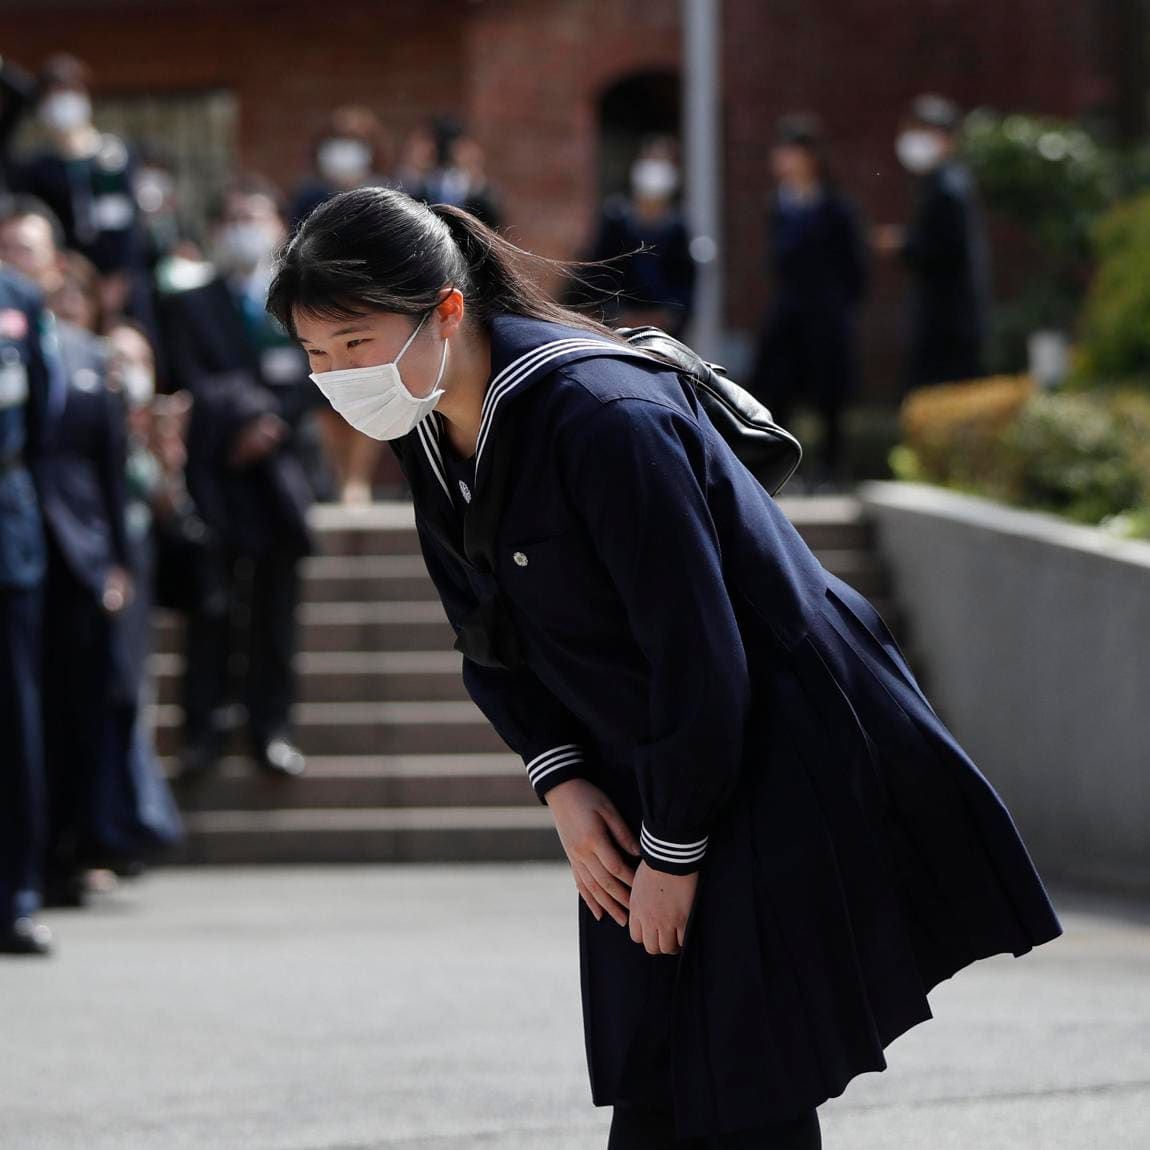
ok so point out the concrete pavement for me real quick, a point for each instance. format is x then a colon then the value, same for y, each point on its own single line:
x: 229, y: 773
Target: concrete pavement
x: 437, y: 1007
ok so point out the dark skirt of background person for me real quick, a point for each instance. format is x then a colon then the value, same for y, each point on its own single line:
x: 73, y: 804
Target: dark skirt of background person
x: 134, y: 815
x: 109, y: 803
x: 806, y: 351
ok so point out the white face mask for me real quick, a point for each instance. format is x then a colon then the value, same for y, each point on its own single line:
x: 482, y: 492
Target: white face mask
x: 244, y: 246
x: 65, y: 111
x: 375, y: 400
x: 343, y: 159
x: 918, y: 151
x: 654, y: 178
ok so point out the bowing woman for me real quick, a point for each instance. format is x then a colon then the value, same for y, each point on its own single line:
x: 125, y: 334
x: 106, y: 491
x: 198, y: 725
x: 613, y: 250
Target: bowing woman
x: 778, y: 847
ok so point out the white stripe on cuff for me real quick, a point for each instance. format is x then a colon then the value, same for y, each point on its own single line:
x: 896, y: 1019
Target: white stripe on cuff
x: 567, y: 755
x: 669, y: 851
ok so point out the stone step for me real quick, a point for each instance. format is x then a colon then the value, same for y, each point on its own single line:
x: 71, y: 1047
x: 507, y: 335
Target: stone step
x: 383, y: 578
x: 350, y: 676
x: 366, y: 578
x: 362, y: 782
x: 404, y: 627
x: 397, y: 626
x: 824, y: 521
x: 414, y: 834
x: 411, y: 728
x: 380, y: 529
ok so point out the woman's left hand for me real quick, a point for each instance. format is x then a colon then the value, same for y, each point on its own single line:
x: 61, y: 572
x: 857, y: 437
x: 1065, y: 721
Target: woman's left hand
x: 660, y: 904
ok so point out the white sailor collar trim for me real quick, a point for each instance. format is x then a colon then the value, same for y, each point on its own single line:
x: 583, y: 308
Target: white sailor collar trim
x: 520, y: 371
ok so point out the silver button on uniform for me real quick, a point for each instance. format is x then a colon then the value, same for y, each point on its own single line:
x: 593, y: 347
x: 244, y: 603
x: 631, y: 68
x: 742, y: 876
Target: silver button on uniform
x: 520, y: 559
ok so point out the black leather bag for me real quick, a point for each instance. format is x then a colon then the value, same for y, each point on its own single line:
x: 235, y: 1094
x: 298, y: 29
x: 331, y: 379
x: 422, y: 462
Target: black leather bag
x: 768, y: 451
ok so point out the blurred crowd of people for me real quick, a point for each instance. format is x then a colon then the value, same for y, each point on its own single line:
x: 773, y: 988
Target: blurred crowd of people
x: 819, y: 269
x: 161, y: 441
x: 160, y: 444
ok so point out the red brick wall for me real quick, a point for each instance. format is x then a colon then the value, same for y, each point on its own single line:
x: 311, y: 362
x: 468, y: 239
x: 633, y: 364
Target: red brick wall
x: 288, y: 63
x: 527, y: 75
x: 857, y: 63
x: 536, y: 72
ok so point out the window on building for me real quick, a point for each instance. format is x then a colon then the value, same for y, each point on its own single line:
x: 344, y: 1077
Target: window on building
x: 631, y: 109
x: 193, y: 133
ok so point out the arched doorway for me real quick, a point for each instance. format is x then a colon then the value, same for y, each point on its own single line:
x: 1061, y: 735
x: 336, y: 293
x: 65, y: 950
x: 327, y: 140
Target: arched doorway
x: 632, y: 108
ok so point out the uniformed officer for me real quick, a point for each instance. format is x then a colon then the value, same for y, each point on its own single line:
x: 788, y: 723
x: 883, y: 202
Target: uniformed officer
x: 944, y: 249
x: 27, y: 403
x: 87, y: 583
x: 254, y: 463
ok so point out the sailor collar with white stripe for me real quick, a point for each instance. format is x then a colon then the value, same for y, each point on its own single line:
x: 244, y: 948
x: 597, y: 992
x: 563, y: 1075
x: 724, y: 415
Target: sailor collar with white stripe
x: 523, y: 350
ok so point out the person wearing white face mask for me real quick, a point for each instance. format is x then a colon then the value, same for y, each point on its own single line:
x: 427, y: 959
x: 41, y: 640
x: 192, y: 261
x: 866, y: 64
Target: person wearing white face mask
x: 944, y: 249
x: 743, y: 773
x: 348, y: 152
x: 87, y: 178
x: 654, y: 281
x: 255, y: 464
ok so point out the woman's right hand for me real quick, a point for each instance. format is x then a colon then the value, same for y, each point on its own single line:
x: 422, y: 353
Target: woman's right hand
x: 592, y: 831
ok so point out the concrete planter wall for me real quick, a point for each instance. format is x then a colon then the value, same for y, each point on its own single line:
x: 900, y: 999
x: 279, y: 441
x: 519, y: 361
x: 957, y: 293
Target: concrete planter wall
x: 1034, y: 639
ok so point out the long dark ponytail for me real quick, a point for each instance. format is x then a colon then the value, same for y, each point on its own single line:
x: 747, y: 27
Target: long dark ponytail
x: 377, y: 249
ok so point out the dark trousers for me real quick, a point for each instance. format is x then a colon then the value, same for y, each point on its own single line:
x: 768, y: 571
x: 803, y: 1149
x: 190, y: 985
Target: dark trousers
x: 77, y: 706
x: 643, y: 1128
x: 22, y: 789
x: 253, y: 644
x: 803, y: 360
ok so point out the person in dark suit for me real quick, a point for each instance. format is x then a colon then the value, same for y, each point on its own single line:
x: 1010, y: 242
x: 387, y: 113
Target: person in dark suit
x: 461, y: 179
x: 17, y: 98
x: 818, y: 276
x: 652, y: 277
x: 944, y: 249
x: 253, y: 466
x: 29, y: 398
x: 134, y: 811
x: 87, y: 585
x: 87, y: 178
x: 779, y: 847
x: 348, y: 153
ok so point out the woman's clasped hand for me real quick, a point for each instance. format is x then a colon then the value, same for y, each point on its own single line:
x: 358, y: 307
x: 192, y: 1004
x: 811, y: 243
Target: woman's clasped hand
x: 654, y: 905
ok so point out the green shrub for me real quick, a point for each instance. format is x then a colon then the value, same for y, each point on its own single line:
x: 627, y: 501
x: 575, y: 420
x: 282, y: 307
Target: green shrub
x: 1051, y: 179
x: 1085, y: 455
x: 1071, y: 456
x: 1115, y: 327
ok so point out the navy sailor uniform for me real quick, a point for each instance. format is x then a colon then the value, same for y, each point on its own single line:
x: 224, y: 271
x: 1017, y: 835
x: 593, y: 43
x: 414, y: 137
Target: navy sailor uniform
x: 678, y: 644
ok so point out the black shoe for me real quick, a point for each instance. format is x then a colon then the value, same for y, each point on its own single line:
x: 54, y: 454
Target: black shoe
x: 26, y: 936
x: 66, y: 889
x: 280, y: 756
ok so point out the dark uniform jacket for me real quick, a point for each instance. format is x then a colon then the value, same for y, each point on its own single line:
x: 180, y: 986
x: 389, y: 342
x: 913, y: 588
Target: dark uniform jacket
x: 83, y: 484
x: 27, y: 404
x: 818, y: 275
x: 661, y: 275
x: 237, y: 369
x: 746, y: 710
x: 946, y: 252
x: 94, y: 199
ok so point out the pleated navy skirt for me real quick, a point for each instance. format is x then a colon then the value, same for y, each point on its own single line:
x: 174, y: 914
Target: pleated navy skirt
x: 863, y: 859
